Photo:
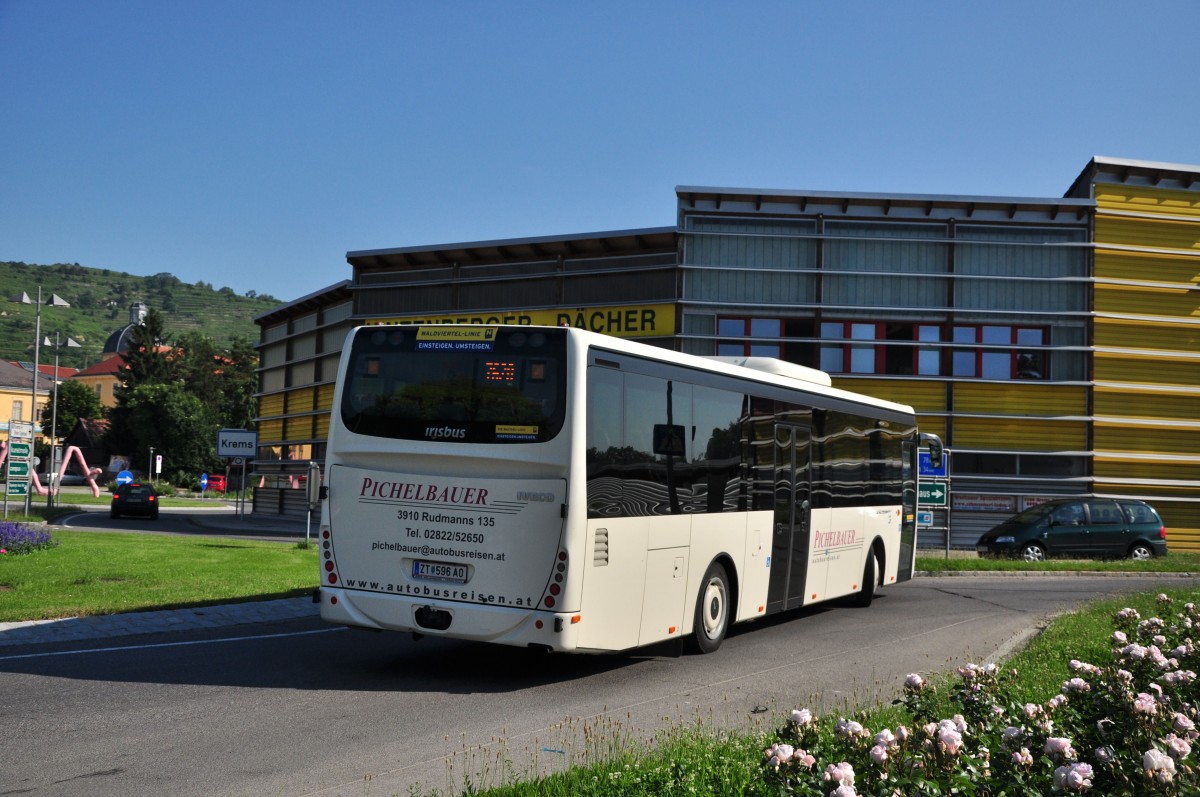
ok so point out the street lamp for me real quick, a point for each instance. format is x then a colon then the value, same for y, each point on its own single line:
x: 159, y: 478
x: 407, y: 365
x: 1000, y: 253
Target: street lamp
x: 52, y: 472
x: 55, y: 301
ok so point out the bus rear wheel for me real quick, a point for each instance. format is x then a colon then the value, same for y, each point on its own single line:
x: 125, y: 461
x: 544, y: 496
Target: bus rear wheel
x: 867, y: 593
x: 712, y: 610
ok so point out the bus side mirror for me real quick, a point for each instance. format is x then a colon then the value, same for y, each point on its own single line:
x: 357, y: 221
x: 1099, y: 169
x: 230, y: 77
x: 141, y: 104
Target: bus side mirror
x: 936, y: 450
x: 313, y: 485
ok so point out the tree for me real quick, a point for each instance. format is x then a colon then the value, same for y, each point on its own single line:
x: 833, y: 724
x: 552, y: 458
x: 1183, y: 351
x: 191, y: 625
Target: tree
x: 239, y: 408
x: 177, y: 425
x: 145, y: 363
x: 223, y: 379
x: 196, y: 363
x: 75, y: 400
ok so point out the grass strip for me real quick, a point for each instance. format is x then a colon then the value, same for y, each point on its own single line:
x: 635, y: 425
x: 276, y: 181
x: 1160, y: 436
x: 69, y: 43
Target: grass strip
x: 960, y: 561
x: 91, y: 573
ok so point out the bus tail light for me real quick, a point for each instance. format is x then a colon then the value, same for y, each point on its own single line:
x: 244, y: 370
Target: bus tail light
x: 327, y: 554
x: 557, y: 580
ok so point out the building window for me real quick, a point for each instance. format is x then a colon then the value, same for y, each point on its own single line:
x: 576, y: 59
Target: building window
x: 1000, y: 352
x: 980, y: 351
x: 1030, y: 361
x: 963, y: 359
x: 929, y: 358
x: 862, y: 354
x: 749, y: 337
x: 18, y: 411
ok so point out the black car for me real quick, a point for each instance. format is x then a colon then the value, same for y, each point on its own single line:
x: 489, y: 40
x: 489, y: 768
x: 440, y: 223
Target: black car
x: 1077, y: 527
x: 134, y: 498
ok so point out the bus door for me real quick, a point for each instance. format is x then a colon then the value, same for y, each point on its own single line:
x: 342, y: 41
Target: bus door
x: 792, y: 526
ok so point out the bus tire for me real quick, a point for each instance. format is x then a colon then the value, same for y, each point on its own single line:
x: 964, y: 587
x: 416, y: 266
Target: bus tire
x: 867, y: 593
x: 712, y: 610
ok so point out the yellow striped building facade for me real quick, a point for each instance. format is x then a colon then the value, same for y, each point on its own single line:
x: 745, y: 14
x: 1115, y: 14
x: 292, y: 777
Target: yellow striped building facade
x: 1053, y: 343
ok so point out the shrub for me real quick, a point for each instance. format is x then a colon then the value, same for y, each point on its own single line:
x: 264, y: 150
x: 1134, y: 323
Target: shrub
x: 16, y: 538
x: 1122, y: 729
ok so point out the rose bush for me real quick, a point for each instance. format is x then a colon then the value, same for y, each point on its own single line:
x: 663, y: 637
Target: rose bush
x: 1123, y: 728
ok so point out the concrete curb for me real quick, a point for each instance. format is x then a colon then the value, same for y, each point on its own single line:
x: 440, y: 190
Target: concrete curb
x: 1049, y: 574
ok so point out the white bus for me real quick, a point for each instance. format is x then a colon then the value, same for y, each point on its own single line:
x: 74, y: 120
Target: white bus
x: 555, y: 488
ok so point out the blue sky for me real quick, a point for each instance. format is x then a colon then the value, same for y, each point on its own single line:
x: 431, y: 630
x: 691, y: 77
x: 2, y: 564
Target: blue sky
x: 252, y: 143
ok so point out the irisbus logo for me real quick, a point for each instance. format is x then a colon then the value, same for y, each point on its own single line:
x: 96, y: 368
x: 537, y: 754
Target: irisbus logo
x: 445, y: 433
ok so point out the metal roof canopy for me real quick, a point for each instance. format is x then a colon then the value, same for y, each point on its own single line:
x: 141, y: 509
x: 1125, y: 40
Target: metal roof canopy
x: 1125, y: 170
x: 313, y: 301
x: 913, y: 206
x: 509, y: 250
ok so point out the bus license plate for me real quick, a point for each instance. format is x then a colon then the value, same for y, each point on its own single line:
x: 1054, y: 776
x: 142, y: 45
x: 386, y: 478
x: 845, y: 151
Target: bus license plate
x: 440, y: 571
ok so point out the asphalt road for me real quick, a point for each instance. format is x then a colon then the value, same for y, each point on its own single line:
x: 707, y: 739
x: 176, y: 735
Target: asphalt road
x: 299, y: 708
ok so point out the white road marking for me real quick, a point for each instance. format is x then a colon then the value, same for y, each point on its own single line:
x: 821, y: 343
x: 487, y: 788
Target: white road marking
x: 167, y: 644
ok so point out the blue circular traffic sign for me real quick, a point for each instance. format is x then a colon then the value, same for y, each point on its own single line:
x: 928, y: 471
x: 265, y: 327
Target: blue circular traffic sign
x: 203, y: 481
x: 124, y: 477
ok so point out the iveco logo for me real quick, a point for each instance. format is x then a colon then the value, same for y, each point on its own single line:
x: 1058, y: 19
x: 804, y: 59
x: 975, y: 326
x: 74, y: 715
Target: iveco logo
x: 445, y: 433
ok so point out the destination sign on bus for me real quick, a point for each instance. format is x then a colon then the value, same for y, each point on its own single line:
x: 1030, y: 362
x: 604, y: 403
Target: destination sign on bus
x: 456, y: 338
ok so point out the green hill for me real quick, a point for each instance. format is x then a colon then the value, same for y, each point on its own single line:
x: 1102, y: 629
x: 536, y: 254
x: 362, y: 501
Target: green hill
x: 100, y: 300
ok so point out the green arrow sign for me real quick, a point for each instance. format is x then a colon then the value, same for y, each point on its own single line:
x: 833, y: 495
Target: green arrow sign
x: 18, y: 488
x: 18, y: 470
x: 19, y: 450
x: 932, y: 494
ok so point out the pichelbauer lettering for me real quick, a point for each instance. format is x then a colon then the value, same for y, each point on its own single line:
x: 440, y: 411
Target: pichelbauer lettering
x: 414, y: 491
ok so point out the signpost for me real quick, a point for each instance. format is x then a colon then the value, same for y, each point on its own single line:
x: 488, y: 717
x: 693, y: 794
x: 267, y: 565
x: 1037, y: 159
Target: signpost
x: 932, y: 494
x: 933, y: 490
x: 239, y: 445
x: 925, y: 469
x: 20, y: 458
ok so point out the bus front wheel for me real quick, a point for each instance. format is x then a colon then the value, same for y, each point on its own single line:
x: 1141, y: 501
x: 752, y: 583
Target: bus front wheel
x: 712, y: 610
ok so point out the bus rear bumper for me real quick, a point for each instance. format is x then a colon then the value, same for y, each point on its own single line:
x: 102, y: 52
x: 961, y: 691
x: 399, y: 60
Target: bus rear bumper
x: 503, y: 625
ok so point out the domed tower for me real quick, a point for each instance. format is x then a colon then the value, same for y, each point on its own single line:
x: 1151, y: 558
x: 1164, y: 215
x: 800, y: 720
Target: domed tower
x: 118, y: 342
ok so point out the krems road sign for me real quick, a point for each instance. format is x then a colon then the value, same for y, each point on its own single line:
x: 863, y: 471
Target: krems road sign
x: 237, y: 443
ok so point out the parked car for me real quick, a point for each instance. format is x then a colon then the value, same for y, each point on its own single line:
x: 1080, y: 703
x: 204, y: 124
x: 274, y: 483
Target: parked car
x: 134, y: 498
x: 67, y: 479
x: 1079, y: 527
x: 216, y: 483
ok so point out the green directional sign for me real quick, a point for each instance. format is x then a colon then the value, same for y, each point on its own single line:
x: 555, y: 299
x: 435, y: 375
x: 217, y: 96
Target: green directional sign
x: 19, y: 450
x: 18, y: 488
x: 18, y: 470
x: 932, y: 494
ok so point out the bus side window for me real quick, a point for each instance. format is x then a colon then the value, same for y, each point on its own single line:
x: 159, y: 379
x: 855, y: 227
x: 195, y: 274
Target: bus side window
x: 717, y: 452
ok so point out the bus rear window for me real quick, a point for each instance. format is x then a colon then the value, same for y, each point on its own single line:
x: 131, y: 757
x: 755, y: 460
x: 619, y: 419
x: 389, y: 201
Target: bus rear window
x: 456, y: 384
